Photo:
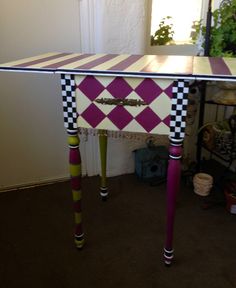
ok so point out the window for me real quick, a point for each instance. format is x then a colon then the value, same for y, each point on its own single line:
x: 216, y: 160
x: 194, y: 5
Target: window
x: 183, y: 13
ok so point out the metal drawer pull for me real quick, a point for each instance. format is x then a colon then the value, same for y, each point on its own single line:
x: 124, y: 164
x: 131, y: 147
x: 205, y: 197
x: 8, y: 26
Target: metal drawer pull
x: 120, y: 102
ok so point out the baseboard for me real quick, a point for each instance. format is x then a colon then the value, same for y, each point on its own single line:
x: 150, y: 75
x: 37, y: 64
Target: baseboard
x: 34, y: 184
x: 45, y: 182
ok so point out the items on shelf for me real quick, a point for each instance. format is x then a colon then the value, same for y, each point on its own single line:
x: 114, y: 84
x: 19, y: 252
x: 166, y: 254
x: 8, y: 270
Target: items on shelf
x: 226, y: 94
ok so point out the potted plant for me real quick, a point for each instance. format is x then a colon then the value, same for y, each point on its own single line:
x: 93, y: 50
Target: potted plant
x: 223, y: 30
x: 164, y: 33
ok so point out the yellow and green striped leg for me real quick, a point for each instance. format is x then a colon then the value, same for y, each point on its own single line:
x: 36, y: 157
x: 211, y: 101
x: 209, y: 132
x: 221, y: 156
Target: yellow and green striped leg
x: 103, y: 158
x: 75, y: 174
x: 70, y: 122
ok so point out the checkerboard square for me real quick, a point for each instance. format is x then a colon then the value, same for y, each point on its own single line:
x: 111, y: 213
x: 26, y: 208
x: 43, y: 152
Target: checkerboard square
x: 179, y: 108
x: 69, y: 101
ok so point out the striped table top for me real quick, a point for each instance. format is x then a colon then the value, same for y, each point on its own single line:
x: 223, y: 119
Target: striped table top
x: 185, y: 67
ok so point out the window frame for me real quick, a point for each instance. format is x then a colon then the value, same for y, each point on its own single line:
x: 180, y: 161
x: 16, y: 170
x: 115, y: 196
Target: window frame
x: 177, y: 49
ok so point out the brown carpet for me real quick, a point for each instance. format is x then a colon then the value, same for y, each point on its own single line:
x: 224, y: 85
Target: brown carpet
x: 124, y: 239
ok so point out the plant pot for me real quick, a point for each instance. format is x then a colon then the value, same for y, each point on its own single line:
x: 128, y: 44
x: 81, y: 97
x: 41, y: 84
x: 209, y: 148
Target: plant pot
x: 230, y: 195
x: 202, y: 183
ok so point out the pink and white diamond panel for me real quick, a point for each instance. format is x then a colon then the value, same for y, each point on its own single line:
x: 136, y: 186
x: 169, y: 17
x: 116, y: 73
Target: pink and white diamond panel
x: 152, y: 117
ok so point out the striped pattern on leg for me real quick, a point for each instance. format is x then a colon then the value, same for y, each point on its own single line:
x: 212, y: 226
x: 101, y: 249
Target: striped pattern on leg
x: 75, y: 173
x: 168, y: 256
x: 103, y: 158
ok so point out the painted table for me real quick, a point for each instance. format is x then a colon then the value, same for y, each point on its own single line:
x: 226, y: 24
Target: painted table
x: 134, y: 93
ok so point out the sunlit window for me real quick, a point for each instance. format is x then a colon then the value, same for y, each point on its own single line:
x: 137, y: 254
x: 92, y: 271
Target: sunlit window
x: 182, y: 12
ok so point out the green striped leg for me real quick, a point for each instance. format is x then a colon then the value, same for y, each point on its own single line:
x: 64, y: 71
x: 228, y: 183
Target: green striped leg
x: 75, y: 173
x: 103, y: 158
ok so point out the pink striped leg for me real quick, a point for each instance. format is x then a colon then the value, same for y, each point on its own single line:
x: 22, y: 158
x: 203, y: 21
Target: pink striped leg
x: 75, y: 173
x: 173, y: 182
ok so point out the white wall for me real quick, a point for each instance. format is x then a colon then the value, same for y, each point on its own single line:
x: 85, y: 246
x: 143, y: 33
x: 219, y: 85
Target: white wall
x: 113, y: 26
x: 33, y: 140
x: 122, y: 26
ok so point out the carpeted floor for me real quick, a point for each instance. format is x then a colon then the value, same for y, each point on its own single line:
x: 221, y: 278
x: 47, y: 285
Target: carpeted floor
x: 124, y: 239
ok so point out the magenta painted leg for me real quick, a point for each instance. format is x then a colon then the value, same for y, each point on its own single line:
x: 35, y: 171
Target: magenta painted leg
x: 173, y: 182
x: 75, y: 173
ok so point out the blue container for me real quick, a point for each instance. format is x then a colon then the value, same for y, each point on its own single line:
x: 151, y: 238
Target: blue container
x: 151, y: 163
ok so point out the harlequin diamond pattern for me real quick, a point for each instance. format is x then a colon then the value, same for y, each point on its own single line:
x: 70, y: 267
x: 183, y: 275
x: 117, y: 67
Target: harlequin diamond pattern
x: 167, y: 120
x: 168, y: 90
x: 119, y: 88
x: 148, y: 90
x: 115, y: 117
x: 148, y: 119
x: 145, y: 118
x: 91, y: 87
x: 93, y: 115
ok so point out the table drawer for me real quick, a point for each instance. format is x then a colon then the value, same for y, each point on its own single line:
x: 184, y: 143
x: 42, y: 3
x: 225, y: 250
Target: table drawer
x: 124, y: 103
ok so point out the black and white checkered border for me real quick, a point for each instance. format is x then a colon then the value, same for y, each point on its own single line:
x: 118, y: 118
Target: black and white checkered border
x: 179, y: 109
x: 69, y: 101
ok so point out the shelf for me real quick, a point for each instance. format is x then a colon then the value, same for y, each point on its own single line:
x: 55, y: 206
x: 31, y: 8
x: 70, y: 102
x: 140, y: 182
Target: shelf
x: 220, y: 104
x: 225, y: 158
x: 218, y: 155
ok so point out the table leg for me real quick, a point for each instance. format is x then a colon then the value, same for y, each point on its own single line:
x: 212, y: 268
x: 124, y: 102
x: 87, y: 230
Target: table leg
x: 178, y: 114
x: 173, y: 182
x: 75, y: 173
x: 103, y: 158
